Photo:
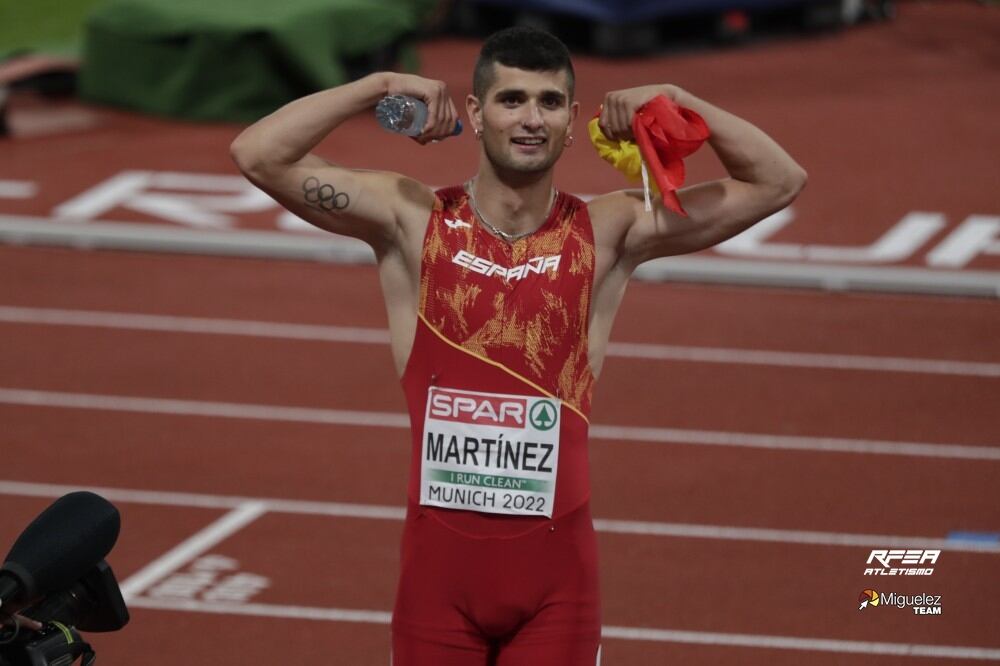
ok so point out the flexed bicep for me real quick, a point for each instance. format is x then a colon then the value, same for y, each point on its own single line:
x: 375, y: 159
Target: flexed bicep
x: 364, y: 204
x: 716, y: 211
x: 275, y: 154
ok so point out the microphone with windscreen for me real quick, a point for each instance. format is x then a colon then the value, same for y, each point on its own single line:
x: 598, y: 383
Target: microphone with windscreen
x: 60, y: 546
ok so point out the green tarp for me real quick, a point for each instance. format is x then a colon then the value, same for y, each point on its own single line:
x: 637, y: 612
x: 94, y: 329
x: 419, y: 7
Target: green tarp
x: 233, y: 59
x: 50, y: 27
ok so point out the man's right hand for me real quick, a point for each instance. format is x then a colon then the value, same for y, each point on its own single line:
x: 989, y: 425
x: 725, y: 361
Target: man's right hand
x: 441, y: 113
x: 378, y: 207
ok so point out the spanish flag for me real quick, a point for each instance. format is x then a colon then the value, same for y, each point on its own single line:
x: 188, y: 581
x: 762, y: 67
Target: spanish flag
x: 665, y: 133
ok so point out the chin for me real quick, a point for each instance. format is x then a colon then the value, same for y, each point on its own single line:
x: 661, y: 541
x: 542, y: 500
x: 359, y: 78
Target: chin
x: 533, y: 164
x: 504, y: 160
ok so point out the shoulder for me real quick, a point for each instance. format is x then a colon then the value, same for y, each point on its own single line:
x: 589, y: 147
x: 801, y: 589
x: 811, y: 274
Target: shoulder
x: 611, y: 207
x: 451, y: 198
x: 611, y: 215
x: 412, y: 203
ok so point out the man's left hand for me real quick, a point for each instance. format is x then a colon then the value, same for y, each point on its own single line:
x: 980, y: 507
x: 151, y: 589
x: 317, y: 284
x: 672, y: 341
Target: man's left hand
x: 619, y: 108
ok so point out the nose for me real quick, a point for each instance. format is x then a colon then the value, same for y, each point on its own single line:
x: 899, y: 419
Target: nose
x: 533, y: 119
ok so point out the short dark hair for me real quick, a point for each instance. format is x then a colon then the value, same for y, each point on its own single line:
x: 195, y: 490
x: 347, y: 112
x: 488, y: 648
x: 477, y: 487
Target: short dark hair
x: 525, y: 48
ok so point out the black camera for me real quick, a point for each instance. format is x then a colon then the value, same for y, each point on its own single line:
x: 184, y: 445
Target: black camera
x: 51, y: 588
x: 93, y: 604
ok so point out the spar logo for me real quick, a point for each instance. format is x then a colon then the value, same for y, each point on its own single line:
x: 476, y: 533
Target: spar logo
x: 922, y: 604
x: 479, y: 408
x: 889, y: 559
x: 543, y: 415
x: 868, y: 598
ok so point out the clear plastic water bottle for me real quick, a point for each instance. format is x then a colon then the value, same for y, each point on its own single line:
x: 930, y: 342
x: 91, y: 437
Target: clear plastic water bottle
x: 405, y: 115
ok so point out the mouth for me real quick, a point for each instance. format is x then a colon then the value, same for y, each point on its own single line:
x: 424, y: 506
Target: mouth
x: 529, y: 142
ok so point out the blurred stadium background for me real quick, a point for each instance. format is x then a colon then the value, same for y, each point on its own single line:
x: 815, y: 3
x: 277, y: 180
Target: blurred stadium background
x: 128, y: 49
x: 772, y: 410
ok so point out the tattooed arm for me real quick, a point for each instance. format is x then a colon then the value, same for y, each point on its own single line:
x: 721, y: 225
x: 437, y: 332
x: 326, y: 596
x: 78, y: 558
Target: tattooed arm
x: 274, y: 154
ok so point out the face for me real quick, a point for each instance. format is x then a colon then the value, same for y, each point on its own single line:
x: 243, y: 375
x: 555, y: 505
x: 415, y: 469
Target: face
x: 525, y: 117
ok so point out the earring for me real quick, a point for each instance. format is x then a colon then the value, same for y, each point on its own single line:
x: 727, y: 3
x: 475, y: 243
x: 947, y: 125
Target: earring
x: 569, y: 141
x: 478, y: 132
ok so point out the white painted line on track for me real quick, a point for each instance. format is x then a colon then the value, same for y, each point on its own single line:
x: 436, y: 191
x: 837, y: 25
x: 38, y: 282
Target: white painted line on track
x: 107, y: 234
x: 265, y: 610
x: 204, y: 501
x: 803, y: 360
x: 171, y: 324
x: 708, y: 269
x: 358, y: 335
x: 17, y: 189
x: 793, y: 443
x: 801, y: 537
x: 377, y: 512
x: 190, y: 548
x: 607, y: 632
x: 796, y: 643
x: 202, y: 408
x: 112, y: 235
x: 32, y: 398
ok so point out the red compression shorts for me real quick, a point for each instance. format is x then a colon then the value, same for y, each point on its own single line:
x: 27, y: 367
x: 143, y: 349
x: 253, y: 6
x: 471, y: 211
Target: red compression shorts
x: 526, y: 600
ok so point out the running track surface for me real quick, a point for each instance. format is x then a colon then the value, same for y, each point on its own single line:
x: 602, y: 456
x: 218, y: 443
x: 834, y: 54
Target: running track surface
x: 738, y: 493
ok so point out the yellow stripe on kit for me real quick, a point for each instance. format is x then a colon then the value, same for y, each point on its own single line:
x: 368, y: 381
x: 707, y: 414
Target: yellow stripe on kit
x: 502, y: 367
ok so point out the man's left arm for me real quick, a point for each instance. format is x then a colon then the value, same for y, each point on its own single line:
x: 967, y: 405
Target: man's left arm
x: 763, y: 179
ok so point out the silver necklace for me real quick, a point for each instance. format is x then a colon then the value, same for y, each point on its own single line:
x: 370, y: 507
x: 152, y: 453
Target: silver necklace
x: 509, y: 237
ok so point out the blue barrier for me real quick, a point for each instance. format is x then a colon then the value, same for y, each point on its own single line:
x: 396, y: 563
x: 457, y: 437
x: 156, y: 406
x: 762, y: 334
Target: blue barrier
x: 628, y: 11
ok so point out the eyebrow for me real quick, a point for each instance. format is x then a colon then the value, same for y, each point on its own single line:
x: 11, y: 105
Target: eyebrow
x: 520, y: 91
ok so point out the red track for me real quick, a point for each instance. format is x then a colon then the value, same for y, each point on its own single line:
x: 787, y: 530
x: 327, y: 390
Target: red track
x: 681, y: 583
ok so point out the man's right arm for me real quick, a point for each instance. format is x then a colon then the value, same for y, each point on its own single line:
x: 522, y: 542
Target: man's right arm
x: 274, y: 153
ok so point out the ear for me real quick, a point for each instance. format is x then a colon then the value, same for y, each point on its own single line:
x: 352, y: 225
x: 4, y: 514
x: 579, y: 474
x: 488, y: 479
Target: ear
x: 475, y: 112
x: 574, y: 111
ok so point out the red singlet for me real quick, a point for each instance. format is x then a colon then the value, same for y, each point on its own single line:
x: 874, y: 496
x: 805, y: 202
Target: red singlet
x: 499, y: 558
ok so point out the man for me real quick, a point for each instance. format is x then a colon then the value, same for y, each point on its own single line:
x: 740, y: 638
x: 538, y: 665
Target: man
x: 500, y: 297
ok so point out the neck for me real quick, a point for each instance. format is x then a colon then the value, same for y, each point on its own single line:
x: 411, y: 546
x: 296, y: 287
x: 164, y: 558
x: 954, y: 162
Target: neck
x: 516, y: 204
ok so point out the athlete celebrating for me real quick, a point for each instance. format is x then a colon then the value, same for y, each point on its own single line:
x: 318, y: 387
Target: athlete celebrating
x: 500, y: 296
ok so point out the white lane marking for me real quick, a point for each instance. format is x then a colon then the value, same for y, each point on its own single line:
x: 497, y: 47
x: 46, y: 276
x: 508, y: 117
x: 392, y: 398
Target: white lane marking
x: 801, y: 537
x: 57, y: 399
x: 202, y: 408
x: 190, y: 548
x: 266, y: 610
x: 378, y: 512
x: 794, y: 443
x: 17, y: 189
x: 171, y: 324
x: 109, y: 234
x: 803, y: 360
x: 358, y: 335
x: 607, y: 632
x: 796, y: 643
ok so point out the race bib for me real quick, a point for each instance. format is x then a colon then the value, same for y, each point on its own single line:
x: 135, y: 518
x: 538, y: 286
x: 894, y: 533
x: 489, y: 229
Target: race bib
x: 490, y: 452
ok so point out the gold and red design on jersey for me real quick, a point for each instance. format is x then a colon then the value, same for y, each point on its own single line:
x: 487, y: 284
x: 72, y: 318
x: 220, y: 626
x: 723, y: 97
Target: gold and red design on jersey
x: 521, y: 305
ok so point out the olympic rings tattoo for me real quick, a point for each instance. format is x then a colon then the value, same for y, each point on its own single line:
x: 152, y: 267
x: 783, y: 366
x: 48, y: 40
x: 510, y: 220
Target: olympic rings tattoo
x: 323, y: 196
